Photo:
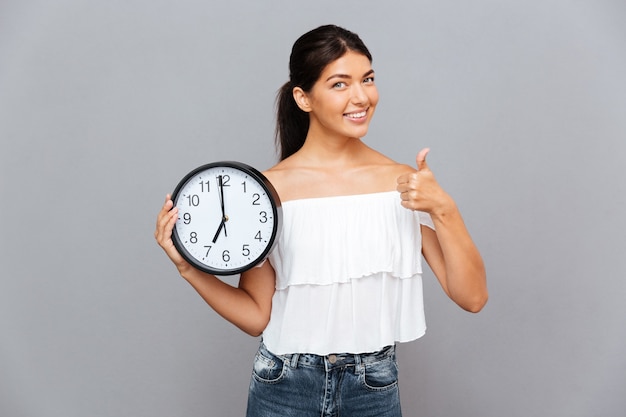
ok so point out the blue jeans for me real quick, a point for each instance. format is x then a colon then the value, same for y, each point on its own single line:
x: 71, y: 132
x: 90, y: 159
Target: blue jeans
x: 306, y: 385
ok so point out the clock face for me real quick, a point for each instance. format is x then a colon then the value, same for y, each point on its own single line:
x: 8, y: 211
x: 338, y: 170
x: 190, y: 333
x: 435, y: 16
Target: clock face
x: 228, y: 217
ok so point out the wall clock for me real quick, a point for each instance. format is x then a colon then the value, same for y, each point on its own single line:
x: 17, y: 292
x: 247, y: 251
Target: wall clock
x: 229, y: 217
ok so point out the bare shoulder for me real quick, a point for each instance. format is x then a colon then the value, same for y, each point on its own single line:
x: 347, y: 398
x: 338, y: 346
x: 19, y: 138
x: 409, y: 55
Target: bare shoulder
x: 284, y: 176
x: 401, y: 169
x: 387, y: 169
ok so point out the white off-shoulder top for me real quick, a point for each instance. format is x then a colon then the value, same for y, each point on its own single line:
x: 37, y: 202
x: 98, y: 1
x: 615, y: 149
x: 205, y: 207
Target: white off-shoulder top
x: 348, y: 275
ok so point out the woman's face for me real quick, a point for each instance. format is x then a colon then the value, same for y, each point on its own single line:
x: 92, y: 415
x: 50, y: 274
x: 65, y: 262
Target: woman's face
x: 343, y: 99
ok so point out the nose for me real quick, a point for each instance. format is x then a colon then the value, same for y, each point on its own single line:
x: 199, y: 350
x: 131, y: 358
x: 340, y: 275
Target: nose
x: 359, y: 96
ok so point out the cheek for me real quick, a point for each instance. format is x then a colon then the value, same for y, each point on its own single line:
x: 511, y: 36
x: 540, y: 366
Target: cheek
x: 324, y: 105
x: 332, y: 108
x: 373, y: 96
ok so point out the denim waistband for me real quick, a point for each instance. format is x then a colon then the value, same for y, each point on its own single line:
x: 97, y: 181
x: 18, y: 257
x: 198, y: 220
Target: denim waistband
x: 335, y: 359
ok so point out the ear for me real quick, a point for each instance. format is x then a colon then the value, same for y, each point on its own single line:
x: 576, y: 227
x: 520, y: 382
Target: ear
x: 302, y: 99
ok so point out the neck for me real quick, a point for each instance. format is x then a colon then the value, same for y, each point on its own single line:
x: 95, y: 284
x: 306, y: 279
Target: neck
x: 325, y: 151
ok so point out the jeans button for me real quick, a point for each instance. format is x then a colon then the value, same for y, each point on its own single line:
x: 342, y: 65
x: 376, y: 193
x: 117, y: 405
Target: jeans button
x: 332, y: 359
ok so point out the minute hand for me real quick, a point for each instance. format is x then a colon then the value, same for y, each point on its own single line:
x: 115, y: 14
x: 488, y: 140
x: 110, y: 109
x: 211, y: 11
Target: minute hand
x: 224, y: 217
x: 221, y: 185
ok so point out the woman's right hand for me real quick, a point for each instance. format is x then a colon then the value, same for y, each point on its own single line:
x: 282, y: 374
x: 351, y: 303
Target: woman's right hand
x: 163, y: 234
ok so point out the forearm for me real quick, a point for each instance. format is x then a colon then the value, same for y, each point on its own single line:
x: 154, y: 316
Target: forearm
x: 464, y: 277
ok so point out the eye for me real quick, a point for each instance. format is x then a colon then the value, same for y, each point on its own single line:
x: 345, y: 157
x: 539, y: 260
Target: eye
x: 368, y: 80
x: 339, y: 85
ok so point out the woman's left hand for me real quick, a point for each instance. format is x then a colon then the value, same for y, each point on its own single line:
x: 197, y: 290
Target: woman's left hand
x: 419, y: 190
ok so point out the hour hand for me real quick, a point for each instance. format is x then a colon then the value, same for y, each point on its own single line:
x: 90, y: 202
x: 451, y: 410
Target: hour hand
x: 219, y: 229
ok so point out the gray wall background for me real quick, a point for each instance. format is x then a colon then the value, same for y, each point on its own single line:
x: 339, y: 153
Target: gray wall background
x: 104, y: 106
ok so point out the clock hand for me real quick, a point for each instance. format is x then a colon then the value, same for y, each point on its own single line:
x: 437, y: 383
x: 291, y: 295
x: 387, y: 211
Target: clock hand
x: 221, y: 185
x: 224, y: 217
x: 219, y: 229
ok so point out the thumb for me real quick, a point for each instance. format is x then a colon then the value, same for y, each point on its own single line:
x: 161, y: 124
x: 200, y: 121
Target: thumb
x: 421, y: 159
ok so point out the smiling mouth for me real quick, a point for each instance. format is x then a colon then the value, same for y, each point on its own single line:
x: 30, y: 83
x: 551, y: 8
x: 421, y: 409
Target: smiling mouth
x: 358, y: 115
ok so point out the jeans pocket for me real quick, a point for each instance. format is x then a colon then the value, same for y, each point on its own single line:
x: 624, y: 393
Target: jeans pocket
x: 381, y: 375
x: 268, y: 369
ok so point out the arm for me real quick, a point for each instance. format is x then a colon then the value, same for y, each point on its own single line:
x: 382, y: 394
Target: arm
x: 247, y: 306
x: 456, y: 262
x: 449, y: 249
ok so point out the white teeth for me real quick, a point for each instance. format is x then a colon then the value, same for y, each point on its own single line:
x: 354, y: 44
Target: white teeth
x: 356, y: 115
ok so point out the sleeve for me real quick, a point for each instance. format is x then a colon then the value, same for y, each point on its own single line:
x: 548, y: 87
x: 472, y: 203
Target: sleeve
x: 425, y: 219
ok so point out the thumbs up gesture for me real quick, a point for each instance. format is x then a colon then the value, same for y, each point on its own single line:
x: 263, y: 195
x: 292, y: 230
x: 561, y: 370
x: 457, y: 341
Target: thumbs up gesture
x: 420, y: 191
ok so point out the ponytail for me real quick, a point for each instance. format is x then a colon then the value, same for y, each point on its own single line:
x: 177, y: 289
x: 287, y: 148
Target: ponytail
x: 292, y: 124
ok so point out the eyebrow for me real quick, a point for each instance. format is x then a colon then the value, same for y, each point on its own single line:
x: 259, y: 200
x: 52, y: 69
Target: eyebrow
x: 346, y: 76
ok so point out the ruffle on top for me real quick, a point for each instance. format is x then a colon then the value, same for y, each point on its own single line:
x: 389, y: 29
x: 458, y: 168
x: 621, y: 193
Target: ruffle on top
x: 348, y: 275
x: 337, y: 239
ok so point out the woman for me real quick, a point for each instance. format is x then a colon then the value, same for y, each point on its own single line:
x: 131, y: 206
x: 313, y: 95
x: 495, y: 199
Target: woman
x: 344, y: 282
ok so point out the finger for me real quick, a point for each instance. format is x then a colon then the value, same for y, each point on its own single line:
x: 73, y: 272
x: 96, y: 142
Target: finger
x: 403, y: 187
x: 421, y: 159
x: 406, y: 178
x: 165, y: 226
x: 171, y: 222
x: 166, y: 208
x: 168, y: 202
x: 165, y: 216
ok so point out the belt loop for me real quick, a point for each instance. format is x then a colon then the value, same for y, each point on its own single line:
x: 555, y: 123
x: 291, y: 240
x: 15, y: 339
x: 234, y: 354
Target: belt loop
x: 387, y: 351
x: 294, y: 360
x: 359, y: 367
